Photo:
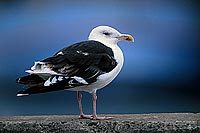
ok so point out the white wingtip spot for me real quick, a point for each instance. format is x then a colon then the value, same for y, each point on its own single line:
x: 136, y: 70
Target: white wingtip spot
x: 60, y: 53
x: 18, y: 80
x: 80, y: 80
x: 47, y: 83
x: 54, y: 80
x: 19, y: 95
x: 60, y: 78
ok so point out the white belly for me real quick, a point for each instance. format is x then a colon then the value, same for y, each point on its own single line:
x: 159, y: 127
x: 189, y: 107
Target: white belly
x: 105, y: 79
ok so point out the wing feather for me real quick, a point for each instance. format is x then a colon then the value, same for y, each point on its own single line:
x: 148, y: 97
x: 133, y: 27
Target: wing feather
x: 77, y: 65
x: 87, y: 60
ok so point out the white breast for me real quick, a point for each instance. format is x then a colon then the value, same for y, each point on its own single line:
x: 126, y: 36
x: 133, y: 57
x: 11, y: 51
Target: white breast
x: 106, y: 78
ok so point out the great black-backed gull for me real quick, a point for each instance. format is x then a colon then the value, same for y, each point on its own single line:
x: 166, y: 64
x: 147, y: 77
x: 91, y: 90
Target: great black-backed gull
x: 85, y: 66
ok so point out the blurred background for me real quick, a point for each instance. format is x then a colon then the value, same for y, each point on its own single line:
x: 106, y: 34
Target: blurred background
x: 162, y: 67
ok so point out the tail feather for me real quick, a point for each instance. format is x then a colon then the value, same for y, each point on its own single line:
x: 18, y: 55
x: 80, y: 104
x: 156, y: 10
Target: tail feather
x: 30, y: 80
x: 38, y: 89
x: 55, y: 83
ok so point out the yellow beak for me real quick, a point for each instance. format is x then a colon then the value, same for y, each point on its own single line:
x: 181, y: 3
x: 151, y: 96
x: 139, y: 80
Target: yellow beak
x: 126, y: 37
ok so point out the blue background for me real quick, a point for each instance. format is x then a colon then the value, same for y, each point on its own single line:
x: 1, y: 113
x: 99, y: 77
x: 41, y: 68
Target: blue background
x: 161, y: 71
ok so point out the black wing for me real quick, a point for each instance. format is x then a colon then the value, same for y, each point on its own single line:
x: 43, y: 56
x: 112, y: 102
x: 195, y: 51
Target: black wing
x: 87, y: 60
x: 78, y: 63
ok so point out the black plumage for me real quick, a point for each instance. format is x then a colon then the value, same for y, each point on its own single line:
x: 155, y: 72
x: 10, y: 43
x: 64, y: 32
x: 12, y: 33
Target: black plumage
x: 87, y: 60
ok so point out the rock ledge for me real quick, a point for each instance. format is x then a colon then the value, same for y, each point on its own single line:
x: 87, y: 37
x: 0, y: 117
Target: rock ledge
x: 161, y: 122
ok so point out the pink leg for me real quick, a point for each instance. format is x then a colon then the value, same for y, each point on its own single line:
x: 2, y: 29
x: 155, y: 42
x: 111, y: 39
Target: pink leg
x: 79, y: 98
x: 94, y: 115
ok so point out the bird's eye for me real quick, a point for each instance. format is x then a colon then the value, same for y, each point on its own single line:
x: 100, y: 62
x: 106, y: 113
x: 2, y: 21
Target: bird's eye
x: 106, y: 33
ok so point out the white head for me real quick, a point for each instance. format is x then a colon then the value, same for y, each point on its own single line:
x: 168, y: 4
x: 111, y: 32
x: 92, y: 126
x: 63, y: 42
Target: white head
x: 108, y: 35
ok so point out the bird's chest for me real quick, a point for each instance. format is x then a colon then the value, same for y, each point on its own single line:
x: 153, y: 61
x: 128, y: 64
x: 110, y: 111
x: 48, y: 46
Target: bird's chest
x: 106, y: 78
x: 118, y: 55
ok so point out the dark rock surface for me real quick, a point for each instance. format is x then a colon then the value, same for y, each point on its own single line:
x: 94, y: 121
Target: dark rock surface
x: 162, y: 122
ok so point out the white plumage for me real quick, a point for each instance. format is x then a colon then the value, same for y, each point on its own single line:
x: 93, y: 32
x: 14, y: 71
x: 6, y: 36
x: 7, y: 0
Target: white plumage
x: 85, y: 66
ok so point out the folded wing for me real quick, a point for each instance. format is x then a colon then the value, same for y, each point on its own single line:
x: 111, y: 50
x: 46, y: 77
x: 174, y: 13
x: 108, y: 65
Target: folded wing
x: 77, y: 65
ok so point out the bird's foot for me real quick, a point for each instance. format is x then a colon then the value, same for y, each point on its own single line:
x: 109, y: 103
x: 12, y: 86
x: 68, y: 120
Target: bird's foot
x: 100, y: 118
x: 85, y: 116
